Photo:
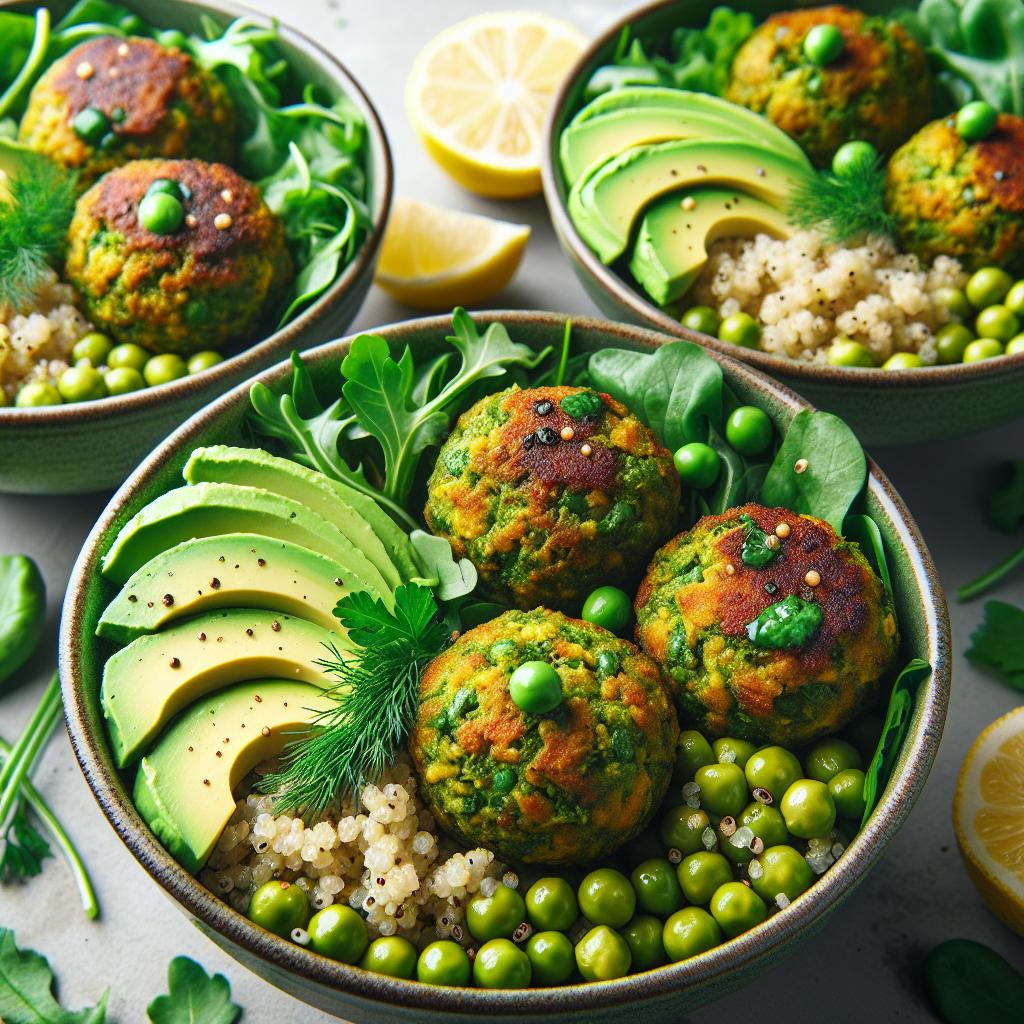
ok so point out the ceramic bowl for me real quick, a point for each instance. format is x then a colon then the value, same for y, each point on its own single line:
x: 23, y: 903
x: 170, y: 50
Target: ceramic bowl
x: 70, y: 449
x: 660, y: 995
x: 883, y: 406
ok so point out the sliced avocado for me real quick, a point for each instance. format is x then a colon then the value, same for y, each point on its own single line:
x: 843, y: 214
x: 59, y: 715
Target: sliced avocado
x: 210, y: 509
x: 357, y: 515
x: 238, y: 570
x: 15, y: 160
x: 184, y: 789
x: 148, y: 682
x: 605, y: 202
x: 671, y: 247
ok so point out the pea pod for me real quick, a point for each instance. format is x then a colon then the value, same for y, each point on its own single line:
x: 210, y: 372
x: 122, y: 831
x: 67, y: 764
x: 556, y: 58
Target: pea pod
x: 968, y: 982
x: 22, y: 611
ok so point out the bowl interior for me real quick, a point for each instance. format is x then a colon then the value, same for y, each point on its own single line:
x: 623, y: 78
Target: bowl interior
x: 922, y: 618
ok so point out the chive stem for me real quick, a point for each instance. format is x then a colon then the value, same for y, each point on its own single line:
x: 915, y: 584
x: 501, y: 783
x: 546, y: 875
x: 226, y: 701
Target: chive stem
x: 985, y: 582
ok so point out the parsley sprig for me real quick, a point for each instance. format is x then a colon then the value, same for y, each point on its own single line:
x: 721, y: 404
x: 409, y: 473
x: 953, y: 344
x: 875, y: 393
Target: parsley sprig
x: 999, y: 642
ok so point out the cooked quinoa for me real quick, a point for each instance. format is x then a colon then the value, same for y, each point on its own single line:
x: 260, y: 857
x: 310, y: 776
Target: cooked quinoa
x: 36, y: 340
x: 807, y: 293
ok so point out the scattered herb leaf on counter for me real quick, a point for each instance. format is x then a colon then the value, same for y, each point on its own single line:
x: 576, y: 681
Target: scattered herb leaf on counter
x: 999, y: 642
x: 991, y: 577
x: 193, y: 997
x: 375, y: 700
x: 1005, y: 504
x: 26, y: 990
x: 819, y: 469
x: 845, y: 207
x: 22, y: 611
x: 967, y: 982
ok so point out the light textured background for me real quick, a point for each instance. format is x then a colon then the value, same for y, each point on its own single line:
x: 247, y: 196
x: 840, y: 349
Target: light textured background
x: 861, y: 967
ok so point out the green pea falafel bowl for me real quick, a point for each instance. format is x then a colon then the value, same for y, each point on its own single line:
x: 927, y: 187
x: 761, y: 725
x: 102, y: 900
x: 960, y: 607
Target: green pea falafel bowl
x: 830, y: 194
x: 187, y: 191
x: 504, y: 666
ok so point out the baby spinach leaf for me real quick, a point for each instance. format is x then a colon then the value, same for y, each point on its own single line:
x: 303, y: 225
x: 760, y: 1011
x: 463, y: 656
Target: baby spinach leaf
x: 676, y: 391
x: 193, y: 997
x: 26, y: 990
x: 22, y: 611
x: 999, y: 642
x: 897, y: 721
x: 450, y: 579
x: 864, y: 531
x: 730, y: 487
x: 819, y: 469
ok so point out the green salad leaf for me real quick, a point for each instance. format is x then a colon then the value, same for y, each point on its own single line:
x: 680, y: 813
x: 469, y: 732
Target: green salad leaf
x: 450, y: 579
x: 819, y: 469
x: 26, y: 990
x: 999, y: 642
x: 193, y: 997
x: 864, y: 532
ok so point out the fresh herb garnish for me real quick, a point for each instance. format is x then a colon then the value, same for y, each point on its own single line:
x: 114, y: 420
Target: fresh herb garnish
x: 193, y: 997
x: 375, y: 700
x: 999, y: 642
x: 845, y: 207
x: 759, y: 549
x: 1005, y: 504
x: 791, y: 622
x: 22, y: 611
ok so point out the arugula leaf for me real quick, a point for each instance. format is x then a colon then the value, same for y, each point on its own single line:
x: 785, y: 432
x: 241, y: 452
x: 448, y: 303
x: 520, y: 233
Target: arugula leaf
x: 819, y: 469
x: 676, y: 391
x: 193, y: 997
x: 998, y: 642
x: 450, y: 578
x: 1005, y: 505
x: 26, y: 990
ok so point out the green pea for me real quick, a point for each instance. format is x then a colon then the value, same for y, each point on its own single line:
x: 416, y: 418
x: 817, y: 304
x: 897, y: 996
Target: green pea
x: 606, y: 897
x: 82, y: 383
x: 603, y: 954
x: 1015, y: 346
x: 809, y: 809
x: 749, y: 430
x: 339, y: 932
x: 903, y: 361
x: 729, y: 750
x: 131, y: 24
x: 551, y: 958
x: 723, y: 788
x: 496, y: 916
x: 740, y: 329
x: 823, y: 44
x: 987, y: 287
x: 688, y: 932
x: 391, y: 955
x: 847, y: 789
x: 701, y: 874
x: 91, y: 125
x: 37, y: 393
x: 852, y: 155
x: 780, y: 869
x: 983, y: 348
x: 766, y: 822
x: 968, y: 982
x: 94, y: 346
x: 774, y: 769
x: 702, y: 319
x: 953, y: 300
x: 280, y: 907
x: 737, y: 909
x: 847, y: 352
x: 167, y: 186
x: 551, y: 904
x: 129, y: 355
x: 504, y: 780
x: 682, y: 828
x: 692, y: 752
x: 203, y: 361
x: 643, y: 936
x: 535, y: 687
x: 697, y: 464
x: 124, y: 380
x: 656, y: 887
x: 172, y: 37
x: 997, y: 322
x: 608, y: 607
x: 830, y: 756
x: 951, y: 341
x: 1014, y: 299
x: 444, y: 963
x: 501, y: 964
x: 161, y: 213
x: 976, y: 120
x: 163, y: 369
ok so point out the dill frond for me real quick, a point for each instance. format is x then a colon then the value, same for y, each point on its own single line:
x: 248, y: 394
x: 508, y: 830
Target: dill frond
x: 843, y: 208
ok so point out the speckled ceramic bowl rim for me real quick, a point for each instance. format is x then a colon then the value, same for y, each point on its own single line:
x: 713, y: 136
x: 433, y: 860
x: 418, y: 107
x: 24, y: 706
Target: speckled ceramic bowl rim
x: 746, y: 949
x: 651, y: 316
x: 248, y: 359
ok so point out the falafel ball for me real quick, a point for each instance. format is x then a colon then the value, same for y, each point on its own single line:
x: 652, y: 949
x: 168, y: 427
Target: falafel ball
x: 550, y: 492
x: 768, y: 625
x: 954, y: 198
x: 215, y: 280
x: 565, y: 786
x: 878, y: 89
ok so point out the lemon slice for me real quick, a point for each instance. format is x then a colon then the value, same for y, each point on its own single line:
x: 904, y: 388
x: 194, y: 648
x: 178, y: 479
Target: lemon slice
x: 433, y: 258
x: 478, y: 94
x: 988, y: 817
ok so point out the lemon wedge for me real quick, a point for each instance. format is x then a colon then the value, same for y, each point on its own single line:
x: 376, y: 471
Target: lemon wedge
x: 433, y: 258
x: 478, y: 94
x: 988, y: 817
